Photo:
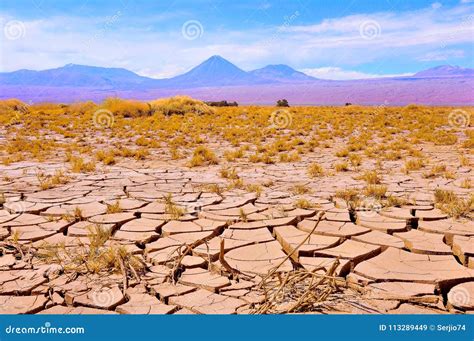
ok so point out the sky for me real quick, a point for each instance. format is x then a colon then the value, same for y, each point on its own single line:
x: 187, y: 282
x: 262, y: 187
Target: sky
x: 334, y: 39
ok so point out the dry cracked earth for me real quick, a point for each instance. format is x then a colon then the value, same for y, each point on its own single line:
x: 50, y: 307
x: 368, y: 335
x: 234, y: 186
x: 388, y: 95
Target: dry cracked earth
x: 412, y: 259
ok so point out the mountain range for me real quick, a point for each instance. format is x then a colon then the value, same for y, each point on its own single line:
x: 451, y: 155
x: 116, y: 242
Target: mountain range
x: 218, y: 79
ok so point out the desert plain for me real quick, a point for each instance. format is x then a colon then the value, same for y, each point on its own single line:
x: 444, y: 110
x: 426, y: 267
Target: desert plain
x: 176, y: 207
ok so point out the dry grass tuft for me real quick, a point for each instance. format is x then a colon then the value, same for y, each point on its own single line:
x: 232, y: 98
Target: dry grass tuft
x: 203, y: 156
x: 453, y: 205
x: 180, y: 105
x: 297, y: 291
x: 94, y: 257
x: 315, y: 170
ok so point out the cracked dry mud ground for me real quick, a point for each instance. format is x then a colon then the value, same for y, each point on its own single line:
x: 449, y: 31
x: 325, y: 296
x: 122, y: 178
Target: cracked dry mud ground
x: 411, y: 259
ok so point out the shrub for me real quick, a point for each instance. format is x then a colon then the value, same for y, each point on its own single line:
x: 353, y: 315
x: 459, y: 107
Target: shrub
x: 222, y: 104
x: 376, y: 191
x: 180, y: 105
x: 304, y: 204
x: 78, y: 165
x: 202, y: 156
x: 341, y: 167
x: 229, y: 173
x: 414, y: 164
x: 355, y: 160
x: 342, y: 153
x: 452, y: 205
x: 349, y: 195
x: 282, y: 103
x: 371, y: 177
x: 127, y: 108
x: 315, y: 170
x: 12, y: 105
x: 300, y: 189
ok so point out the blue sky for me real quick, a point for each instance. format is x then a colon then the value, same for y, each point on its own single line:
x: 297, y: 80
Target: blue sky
x: 328, y: 39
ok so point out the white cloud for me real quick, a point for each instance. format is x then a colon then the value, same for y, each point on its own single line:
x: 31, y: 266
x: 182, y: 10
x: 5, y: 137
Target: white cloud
x: 436, y: 5
x: 337, y: 73
x: 393, y: 29
x: 442, y: 55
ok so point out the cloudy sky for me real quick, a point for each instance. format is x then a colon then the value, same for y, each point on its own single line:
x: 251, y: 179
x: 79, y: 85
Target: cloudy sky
x: 328, y: 39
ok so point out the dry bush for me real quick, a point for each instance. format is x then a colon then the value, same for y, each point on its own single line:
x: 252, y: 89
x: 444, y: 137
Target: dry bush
x: 453, y: 205
x: 12, y: 105
x: 315, y: 170
x: 82, y: 107
x: 127, y: 108
x: 180, y: 105
x: 203, y: 156
x: 297, y: 291
x: 370, y: 177
x: 95, y: 256
x: 78, y: 165
x: 341, y: 166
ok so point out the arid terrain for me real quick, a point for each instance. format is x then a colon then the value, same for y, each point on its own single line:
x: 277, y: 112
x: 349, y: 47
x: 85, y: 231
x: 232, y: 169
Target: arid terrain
x: 175, y: 207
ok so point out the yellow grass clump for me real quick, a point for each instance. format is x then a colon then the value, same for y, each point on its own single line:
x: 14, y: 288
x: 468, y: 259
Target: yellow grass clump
x: 180, y: 105
x: 127, y: 108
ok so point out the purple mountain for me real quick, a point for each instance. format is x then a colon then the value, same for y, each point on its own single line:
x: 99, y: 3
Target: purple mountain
x: 77, y: 76
x: 281, y: 73
x: 445, y: 71
x: 215, y: 71
x: 218, y: 79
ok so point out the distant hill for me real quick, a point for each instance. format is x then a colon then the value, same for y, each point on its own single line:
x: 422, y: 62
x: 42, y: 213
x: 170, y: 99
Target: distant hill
x: 77, y: 76
x: 445, y: 71
x: 281, y: 73
x: 217, y: 79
